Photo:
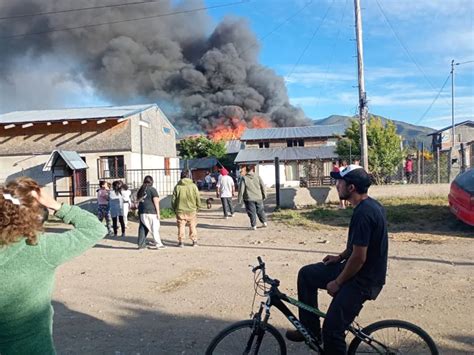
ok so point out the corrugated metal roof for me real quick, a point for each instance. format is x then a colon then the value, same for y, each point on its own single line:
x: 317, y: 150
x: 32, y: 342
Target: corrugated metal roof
x: 201, y: 163
x: 72, y: 114
x: 293, y: 132
x: 468, y: 122
x: 233, y: 146
x: 286, y: 154
x: 68, y: 157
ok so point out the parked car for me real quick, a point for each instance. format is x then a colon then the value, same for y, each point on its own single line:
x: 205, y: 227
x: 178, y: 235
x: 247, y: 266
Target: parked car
x: 461, y: 197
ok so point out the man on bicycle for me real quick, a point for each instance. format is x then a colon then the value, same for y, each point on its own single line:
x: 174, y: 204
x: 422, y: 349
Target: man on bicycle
x: 355, y: 275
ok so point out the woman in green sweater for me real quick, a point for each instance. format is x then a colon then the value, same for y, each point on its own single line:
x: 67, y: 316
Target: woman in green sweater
x: 28, y: 261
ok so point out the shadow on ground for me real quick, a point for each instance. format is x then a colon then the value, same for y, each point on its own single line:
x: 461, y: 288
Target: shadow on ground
x: 143, y: 330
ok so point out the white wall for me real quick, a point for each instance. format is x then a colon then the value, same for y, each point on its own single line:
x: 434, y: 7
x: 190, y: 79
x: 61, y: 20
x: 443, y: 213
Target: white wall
x: 267, y: 173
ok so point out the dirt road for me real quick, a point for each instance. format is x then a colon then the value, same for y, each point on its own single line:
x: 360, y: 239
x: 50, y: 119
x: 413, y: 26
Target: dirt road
x: 116, y: 299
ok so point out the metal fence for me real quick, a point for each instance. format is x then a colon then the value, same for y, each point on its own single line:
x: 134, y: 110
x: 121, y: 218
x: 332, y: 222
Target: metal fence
x: 164, y: 180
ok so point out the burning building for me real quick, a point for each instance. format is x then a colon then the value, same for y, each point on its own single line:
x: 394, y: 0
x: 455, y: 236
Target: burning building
x: 205, y: 79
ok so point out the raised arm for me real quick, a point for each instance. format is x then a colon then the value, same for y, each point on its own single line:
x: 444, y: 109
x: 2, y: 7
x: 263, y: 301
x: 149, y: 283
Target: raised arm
x: 58, y: 248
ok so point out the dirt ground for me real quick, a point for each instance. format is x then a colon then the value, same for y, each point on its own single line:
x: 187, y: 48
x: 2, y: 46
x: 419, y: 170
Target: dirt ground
x: 116, y: 299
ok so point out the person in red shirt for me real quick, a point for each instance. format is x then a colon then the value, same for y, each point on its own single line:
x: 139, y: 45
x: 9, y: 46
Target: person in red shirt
x: 409, y: 170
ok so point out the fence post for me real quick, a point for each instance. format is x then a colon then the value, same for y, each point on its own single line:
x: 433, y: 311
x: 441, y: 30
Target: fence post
x: 463, y: 158
x: 422, y: 163
x: 418, y: 167
x: 277, y: 183
x: 450, y: 164
x: 438, y: 170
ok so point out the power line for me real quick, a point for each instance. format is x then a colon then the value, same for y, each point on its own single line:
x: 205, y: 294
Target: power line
x: 78, y: 9
x: 261, y: 39
x: 332, y: 53
x: 403, y: 45
x: 123, y: 21
x: 435, y: 99
x: 310, y: 40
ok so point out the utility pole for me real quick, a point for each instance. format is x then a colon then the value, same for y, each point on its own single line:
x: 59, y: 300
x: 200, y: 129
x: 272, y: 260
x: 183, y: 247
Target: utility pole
x: 452, y: 104
x: 363, y: 110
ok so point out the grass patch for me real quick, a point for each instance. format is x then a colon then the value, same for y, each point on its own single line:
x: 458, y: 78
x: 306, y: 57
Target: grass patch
x: 420, y: 215
x: 166, y: 213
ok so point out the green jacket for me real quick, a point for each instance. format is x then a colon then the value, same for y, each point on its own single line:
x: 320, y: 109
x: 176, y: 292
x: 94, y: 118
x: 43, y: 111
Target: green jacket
x: 251, y: 188
x: 27, y: 279
x: 186, y: 197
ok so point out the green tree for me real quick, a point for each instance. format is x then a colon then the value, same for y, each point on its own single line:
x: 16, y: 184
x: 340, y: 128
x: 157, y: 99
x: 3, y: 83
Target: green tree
x: 384, y: 152
x: 201, y: 147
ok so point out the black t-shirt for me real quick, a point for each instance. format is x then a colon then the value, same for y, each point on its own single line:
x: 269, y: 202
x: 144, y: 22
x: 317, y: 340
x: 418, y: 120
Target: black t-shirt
x: 146, y: 206
x: 369, y: 228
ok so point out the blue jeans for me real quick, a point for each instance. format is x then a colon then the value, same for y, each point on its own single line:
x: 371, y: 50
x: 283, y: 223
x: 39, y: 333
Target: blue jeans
x: 344, y: 307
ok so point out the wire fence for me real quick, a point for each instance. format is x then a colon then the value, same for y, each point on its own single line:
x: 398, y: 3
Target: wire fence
x: 164, y: 180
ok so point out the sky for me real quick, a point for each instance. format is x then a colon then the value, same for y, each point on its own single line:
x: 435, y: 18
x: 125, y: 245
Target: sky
x: 408, y: 48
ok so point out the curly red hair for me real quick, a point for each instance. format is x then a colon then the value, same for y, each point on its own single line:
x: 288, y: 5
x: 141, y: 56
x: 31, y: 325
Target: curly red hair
x: 21, y: 221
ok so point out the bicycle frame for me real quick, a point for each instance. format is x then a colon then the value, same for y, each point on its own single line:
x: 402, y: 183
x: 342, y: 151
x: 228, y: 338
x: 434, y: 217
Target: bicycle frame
x: 276, y: 298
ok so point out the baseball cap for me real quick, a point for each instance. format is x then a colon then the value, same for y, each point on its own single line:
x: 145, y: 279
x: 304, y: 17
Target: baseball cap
x: 353, y: 174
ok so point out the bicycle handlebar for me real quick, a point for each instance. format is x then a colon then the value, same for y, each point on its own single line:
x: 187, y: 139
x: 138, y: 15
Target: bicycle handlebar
x: 267, y: 279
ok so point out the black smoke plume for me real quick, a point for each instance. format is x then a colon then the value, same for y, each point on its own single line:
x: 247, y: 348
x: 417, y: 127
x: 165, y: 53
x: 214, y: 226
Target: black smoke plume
x: 195, y: 71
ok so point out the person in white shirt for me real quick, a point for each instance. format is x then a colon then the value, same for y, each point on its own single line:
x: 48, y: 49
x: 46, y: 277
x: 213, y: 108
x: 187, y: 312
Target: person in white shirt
x: 126, y: 195
x: 226, y: 190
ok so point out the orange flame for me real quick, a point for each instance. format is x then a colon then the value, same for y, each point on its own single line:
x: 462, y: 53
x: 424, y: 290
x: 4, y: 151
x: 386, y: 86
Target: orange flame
x: 234, y: 128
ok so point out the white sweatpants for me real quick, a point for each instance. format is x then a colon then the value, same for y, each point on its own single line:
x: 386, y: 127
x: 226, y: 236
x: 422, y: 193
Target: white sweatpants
x: 126, y: 206
x: 152, y: 223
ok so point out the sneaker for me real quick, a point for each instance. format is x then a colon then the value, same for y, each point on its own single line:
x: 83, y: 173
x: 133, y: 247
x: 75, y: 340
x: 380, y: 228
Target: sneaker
x: 153, y: 247
x: 151, y: 243
x: 265, y: 225
x: 253, y: 228
x: 294, y: 335
x: 180, y: 245
x: 195, y: 243
x: 231, y: 215
x: 161, y: 246
x: 123, y: 235
x: 115, y: 236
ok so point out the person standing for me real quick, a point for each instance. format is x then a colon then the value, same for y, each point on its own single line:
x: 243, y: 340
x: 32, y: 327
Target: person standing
x: 116, y: 207
x: 409, y: 170
x: 29, y: 258
x: 342, y: 166
x: 149, y: 211
x: 226, y: 190
x: 185, y: 203
x: 352, y: 277
x: 208, y: 180
x: 103, y: 210
x: 127, y: 199
x: 252, y: 193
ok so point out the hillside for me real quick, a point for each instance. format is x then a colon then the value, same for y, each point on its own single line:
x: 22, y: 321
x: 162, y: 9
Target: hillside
x: 407, y: 130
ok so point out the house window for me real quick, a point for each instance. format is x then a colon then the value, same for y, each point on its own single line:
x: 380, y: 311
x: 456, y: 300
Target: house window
x: 167, y: 167
x: 264, y: 144
x: 295, y: 143
x: 166, y: 130
x: 111, y: 167
x: 291, y: 171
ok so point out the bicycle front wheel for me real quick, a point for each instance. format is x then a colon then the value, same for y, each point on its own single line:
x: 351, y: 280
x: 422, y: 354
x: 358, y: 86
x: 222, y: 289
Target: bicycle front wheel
x: 394, y: 337
x: 247, y: 337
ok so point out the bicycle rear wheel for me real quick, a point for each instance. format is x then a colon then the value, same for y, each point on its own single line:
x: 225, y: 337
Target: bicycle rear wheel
x: 394, y: 337
x: 244, y: 337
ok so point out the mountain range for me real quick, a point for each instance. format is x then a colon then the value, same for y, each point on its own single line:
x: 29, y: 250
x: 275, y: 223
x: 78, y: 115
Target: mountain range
x: 408, y: 131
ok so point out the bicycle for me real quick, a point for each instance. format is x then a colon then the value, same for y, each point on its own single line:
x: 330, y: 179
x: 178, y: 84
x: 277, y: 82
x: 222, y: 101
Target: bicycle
x: 257, y: 336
